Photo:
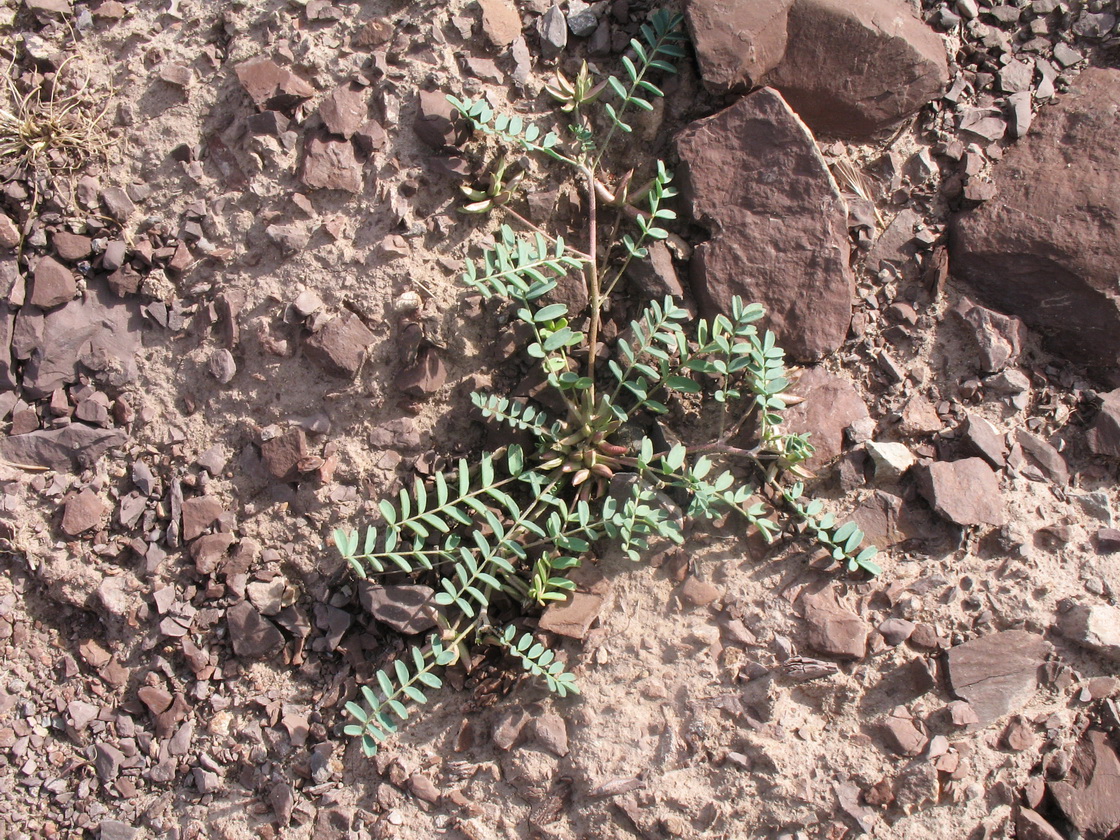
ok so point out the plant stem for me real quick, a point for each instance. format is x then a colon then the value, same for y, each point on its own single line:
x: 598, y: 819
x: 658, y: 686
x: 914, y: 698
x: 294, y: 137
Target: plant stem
x: 538, y: 229
x: 592, y: 280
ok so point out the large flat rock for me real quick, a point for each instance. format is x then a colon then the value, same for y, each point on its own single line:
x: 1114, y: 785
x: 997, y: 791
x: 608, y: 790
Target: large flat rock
x: 737, y: 42
x: 756, y: 180
x: 1047, y: 248
x: 997, y: 674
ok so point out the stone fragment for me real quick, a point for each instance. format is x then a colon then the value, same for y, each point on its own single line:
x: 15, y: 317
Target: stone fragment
x: 437, y: 123
x: 833, y: 629
x: 208, y: 552
x: 999, y: 338
x: 272, y: 123
x: 222, y: 365
x: 83, y: 511
x: 107, y: 761
x: 896, y: 244
x: 830, y: 404
x: 1103, y: 436
x: 423, y: 377
x: 253, y: 636
x: 1108, y: 540
x: 737, y: 43
x: 919, y: 417
x: 903, y: 736
x: 1090, y: 799
x: 9, y: 233
x: 282, y: 798
x: 199, y: 514
x: 509, y: 727
x: 1049, y: 249
x: 744, y: 167
x: 891, y: 460
x: 267, y: 596
x: 408, y: 609
x: 964, y: 492
x: 997, y: 674
x: 71, y: 246
x: 574, y: 617
x: 157, y: 699
x: 980, y: 438
x: 1043, y: 455
x: 117, y: 203
x: 76, y: 446
x: 340, y: 346
x: 1096, y: 627
x: 282, y: 453
x: 53, y: 284
x: 698, y: 593
x: 896, y: 631
x: 369, y: 137
x: 551, y: 732
x: 1018, y: 736
x: 345, y: 109
x: 553, y: 30
x: 271, y: 86
x: 1029, y: 825
x: 854, y: 67
x: 329, y: 163
x: 501, y: 24
x: 115, y: 829
x: 887, y: 519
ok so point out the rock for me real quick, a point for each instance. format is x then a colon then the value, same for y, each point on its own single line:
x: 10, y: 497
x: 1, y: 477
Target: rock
x: 117, y: 203
x: 329, y: 163
x: 272, y: 123
x: 997, y: 674
x: 1029, y: 825
x: 423, y: 788
x: 896, y: 245
x: 253, y: 636
x: 1095, y: 627
x: 95, y: 334
x: 345, y: 109
x: 369, y: 137
x: 9, y: 233
x: 833, y: 629
x: 178, y: 75
x: 1108, y: 540
x: 999, y: 338
x: 72, y: 247
x: 698, y: 593
x: 72, y: 447
x: 1048, y: 459
x: 1091, y: 799
x: 282, y: 798
x: 209, y: 551
x: 501, y: 24
x: 437, y: 123
x: 423, y: 377
x: 737, y: 43
x: 222, y: 365
x: 982, y: 439
x: 854, y: 67
x: 574, y: 617
x: 107, y: 760
x: 553, y: 30
x: 333, y: 823
x: 408, y: 609
x: 115, y: 829
x: 1018, y: 736
x: 903, y: 736
x: 830, y: 405
x: 53, y: 285
x: 1049, y: 249
x: 582, y: 21
x: 887, y: 519
x: 896, y: 630
x: 892, y: 460
x: 340, y: 346
x: 157, y: 699
x: 919, y: 417
x: 509, y: 727
x: 551, y: 732
x: 83, y: 511
x: 1103, y: 436
x: 282, y: 453
x: 271, y: 86
x: 267, y: 596
x: 964, y: 492
x: 291, y: 238
x: 199, y: 514
x: 744, y: 167
x: 655, y: 277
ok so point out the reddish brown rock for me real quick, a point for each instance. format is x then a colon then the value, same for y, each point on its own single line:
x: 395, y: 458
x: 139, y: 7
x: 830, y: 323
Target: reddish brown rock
x: 1044, y: 456
x: 71, y: 246
x: 282, y: 453
x: 54, y: 284
x: 903, y: 736
x: 199, y: 514
x: 271, y: 86
x: 423, y: 377
x: 345, y: 109
x: 253, y: 636
x: 744, y: 167
x: 76, y: 446
x: 833, y: 629
x: 437, y: 123
x: 340, y: 346
x: 737, y: 42
x: 965, y: 492
x: 1103, y: 436
x: 997, y: 674
x: 830, y: 405
x: 331, y: 164
x: 501, y: 24
x: 1090, y: 799
x: 1049, y: 249
x: 1029, y: 825
x: 209, y: 551
x: 406, y: 608
x: 369, y: 137
x: 9, y: 233
x: 982, y: 439
x: 83, y: 511
x: 999, y: 338
x: 855, y: 67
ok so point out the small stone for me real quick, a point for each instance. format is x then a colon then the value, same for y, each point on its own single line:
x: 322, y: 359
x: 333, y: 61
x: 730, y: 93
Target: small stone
x: 117, y: 203
x: 1090, y: 799
x: 291, y: 238
x: 1046, y: 457
x: 208, y: 552
x: 833, y: 629
x: 345, y: 109
x: 1108, y: 540
x: 981, y: 438
x: 54, y: 284
x: 83, y: 512
x: 116, y: 252
x: 271, y: 86
x: 508, y: 728
x: 896, y: 630
x: 574, y: 617
x: 424, y: 377
x: 964, y: 492
x: 282, y: 454
x: 1103, y: 436
x: 340, y: 346
x: 1029, y: 825
x: 72, y: 247
x: 1096, y: 627
x: 553, y: 30
x: 582, y: 21
x: 1018, y: 736
x: 199, y: 514
x: 422, y: 788
x: 698, y: 593
x: 178, y: 75
x: 206, y: 781
x: 997, y: 674
x: 892, y: 460
x: 408, y: 609
x: 267, y: 596
x: 437, y: 123
x: 999, y: 338
x: 115, y: 829
x: 271, y: 123
x: 252, y: 635
x: 369, y: 137
x: 329, y: 163
x: 501, y: 24
x: 222, y: 366
x: 9, y: 233
x: 551, y: 732
x: 903, y: 736
x: 158, y: 700
x: 107, y: 760
x: 961, y: 713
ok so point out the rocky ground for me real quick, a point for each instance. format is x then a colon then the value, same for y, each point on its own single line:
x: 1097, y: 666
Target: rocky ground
x: 239, y: 325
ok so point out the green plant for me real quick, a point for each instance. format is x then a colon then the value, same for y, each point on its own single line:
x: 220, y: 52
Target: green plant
x: 499, y: 537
